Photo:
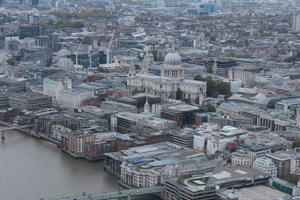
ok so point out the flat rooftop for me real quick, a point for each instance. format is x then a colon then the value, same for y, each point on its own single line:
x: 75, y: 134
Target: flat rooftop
x: 29, y: 96
x: 284, y: 155
x: 183, y: 107
x: 259, y: 193
x: 133, y: 116
x: 230, y: 173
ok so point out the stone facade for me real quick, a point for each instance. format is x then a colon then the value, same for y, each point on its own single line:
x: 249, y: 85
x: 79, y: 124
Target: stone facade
x: 170, y: 84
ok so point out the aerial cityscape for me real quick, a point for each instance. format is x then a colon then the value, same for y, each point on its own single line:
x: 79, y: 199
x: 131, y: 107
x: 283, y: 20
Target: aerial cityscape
x: 150, y: 99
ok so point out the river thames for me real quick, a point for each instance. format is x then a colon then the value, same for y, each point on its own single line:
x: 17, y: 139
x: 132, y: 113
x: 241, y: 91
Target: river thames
x: 32, y: 169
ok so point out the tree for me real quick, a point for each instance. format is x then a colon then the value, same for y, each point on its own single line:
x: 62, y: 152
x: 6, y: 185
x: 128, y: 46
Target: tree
x: 210, y: 107
x: 101, y: 69
x: 296, y: 142
x: 84, y: 14
x: 93, y: 78
x: 209, y: 69
x: 214, y: 88
x: 69, y: 24
x: 12, y: 62
x: 135, y: 91
x: 292, y: 178
x: 172, y: 95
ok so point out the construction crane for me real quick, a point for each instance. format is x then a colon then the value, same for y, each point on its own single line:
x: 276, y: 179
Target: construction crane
x: 109, y: 46
x: 76, y: 55
x: 107, y: 51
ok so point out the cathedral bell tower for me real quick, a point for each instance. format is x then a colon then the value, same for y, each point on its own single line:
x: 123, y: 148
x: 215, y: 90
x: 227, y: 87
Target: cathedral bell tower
x: 132, y: 71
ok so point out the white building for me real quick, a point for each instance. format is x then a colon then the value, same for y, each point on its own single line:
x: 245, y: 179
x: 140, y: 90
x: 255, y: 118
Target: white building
x: 288, y: 104
x: 65, y: 64
x: 210, y: 138
x: 295, y: 164
x: 298, y: 117
x: 52, y: 87
x: 265, y: 165
x: 64, y: 94
x: 296, y: 23
x: 58, y: 130
x: 241, y: 158
x: 72, y: 98
x: 170, y: 83
x: 247, y: 77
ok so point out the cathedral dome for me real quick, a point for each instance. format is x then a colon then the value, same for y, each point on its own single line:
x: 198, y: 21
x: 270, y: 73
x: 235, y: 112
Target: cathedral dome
x: 172, y: 59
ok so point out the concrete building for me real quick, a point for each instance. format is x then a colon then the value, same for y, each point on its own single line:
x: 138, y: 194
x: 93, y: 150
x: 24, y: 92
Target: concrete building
x: 287, y: 162
x: 246, y: 76
x: 120, y: 107
x: 29, y: 31
x: 153, y: 164
x: 260, y: 192
x: 57, y: 131
x: 256, y: 150
x: 266, y: 166
x: 183, y: 137
x: 72, y: 98
x: 64, y: 94
x: 138, y: 100
x: 296, y: 22
x: 91, y: 143
x: 275, y: 121
x: 298, y: 117
x: 75, y: 142
x: 183, y: 114
x: 155, y: 171
x: 288, y: 104
x: 285, y: 187
x: 206, y: 186
x: 45, y: 123
x: 29, y: 101
x: 211, y: 139
x: 52, y: 87
x: 65, y: 64
x: 241, y: 158
x: 235, y: 120
x: 127, y: 122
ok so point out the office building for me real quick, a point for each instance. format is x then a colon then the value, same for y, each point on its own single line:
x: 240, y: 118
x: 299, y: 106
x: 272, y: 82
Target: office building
x: 35, y: 2
x: 296, y: 22
x: 128, y: 122
x: 206, y: 186
x: 266, y: 166
x: 64, y: 94
x: 119, y: 107
x: 241, y: 158
x: 183, y: 114
x: 29, y: 101
x: 287, y: 162
x: 29, y: 31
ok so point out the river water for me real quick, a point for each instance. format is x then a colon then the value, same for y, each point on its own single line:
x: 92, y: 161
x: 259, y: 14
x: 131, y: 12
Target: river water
x: 31, y: 169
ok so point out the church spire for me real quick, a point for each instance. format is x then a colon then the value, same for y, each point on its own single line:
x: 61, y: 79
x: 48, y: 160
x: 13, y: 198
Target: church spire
x: 147, y: 106
x: 131, y: 71
x: 148, y: 59
x: 215, y: 67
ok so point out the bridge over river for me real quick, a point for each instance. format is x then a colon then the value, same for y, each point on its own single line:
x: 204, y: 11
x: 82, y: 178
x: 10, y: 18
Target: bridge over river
x: 123, y: 194
x: 2, y: 129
